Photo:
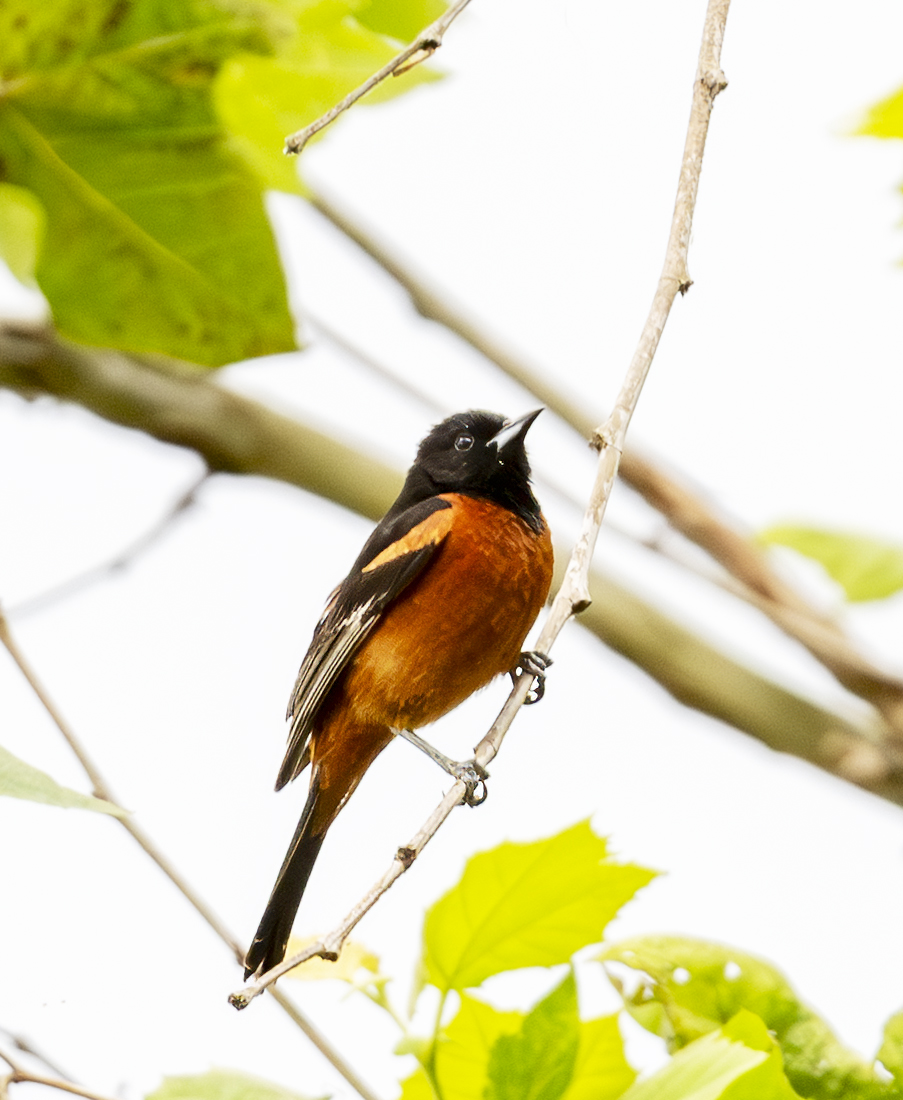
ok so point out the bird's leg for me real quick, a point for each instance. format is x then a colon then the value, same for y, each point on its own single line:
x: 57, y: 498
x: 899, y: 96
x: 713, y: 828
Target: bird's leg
x: 471, y: 774
x: 535, y: 664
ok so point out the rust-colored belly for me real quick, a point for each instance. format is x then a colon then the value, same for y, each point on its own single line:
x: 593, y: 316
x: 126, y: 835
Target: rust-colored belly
x: 460, y: 624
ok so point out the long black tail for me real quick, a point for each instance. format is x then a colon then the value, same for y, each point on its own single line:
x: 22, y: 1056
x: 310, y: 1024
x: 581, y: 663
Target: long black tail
x: 272, y: 934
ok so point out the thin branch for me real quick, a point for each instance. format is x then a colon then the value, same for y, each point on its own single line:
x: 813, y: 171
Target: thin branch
x: 177, y: 403
x: 424, y: 45
x: 102, y: 790
x: 436, y: 306
x: 20, y: 1075
x: 750, y: 577
x: 119, y: 562
x: 27, y: 1047
x: 574, y: 595
x: 755, y: 583
x: 375, y: 366
x: 435, y: 407
x: 684, y: 510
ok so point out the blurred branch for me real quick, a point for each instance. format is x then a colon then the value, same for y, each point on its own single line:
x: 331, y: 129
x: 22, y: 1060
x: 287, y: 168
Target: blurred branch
x: 18, y: 1075
x: 687, y: 512
x: 19, y: 1042
x: 119, y: 562
x: 821, y: 635
x: 177, y: 403
x: 184, y: 406
x: 610, y: 437
x: 435, y: 407
x: 101, y: 789
x: 375, y: 366
x: 424, y: 45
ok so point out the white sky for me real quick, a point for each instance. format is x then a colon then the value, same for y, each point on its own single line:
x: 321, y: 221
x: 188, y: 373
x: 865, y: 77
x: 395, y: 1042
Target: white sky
x: 536, y: 185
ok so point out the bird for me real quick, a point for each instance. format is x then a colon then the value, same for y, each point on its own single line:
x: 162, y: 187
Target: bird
x: 437, y: 604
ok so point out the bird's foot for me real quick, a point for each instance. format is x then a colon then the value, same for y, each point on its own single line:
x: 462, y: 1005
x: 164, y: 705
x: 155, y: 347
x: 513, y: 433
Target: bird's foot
x: 535, y: 664
x: 469, y: 772
x: 473, y: 776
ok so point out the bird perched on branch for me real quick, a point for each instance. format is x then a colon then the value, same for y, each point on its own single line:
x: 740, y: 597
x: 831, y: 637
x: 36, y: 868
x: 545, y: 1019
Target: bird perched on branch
x: 438, y: 603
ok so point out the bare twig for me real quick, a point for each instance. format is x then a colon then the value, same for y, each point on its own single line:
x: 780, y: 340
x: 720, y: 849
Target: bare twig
x: 758, y: 583
x: 119, y: 562
x: 424, y: 45
x: 686, y: 511
x: 749, y: 576
x: 574, y: 594
x: 20, y: 1075
x: 178, y: 403
x: 28, y: 1047
x: 436, y: 407
x: 330, y: 946
x: 375, y: 366
x: 102, y: 790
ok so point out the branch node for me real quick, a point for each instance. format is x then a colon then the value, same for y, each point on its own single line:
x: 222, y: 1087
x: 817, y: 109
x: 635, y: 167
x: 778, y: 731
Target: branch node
x: 406, y: 857
x: 685, y: 285
x: 604, y: 437
x: 426, y: 47
x: 714, y: 82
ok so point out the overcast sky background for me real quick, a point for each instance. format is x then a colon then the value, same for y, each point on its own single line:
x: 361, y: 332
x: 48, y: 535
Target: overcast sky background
x: 536, y: 185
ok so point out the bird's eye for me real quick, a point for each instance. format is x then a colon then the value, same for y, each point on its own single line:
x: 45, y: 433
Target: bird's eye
x: 464, y: 442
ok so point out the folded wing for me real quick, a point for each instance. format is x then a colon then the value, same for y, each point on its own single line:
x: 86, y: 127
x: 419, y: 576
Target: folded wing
x: 399, y: 549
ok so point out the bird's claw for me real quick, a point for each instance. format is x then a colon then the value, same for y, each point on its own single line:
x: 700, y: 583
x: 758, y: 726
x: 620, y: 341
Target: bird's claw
x: 473, y: 776
x: 535, y: 664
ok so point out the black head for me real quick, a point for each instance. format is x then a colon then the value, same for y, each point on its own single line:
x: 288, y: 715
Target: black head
x: 480, y: 454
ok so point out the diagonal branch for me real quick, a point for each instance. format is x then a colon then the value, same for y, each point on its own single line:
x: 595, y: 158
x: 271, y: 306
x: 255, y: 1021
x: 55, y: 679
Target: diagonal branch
x: 424, y: 45
x: 19, y: 1075
x: 120, y: 561
x: 574, y: 594
x: 101, y: 789
x: 179, y: 404
x: 687, y: 512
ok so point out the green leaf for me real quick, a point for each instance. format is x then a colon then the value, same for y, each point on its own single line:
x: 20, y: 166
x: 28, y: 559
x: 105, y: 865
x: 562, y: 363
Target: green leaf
x: 537, y: 1063
x: 221, y: 1084
x: 891, y: 1052
x: 400, y: 20
x: 21, y: 780
x: 330, y: 53
x: 418, y: 1087
x: 866, y: 568
x: 736, y: 1062
x: 696, y: 986
x: 525, y: 905
x: 22, y: 223
x: 463, y: 1051
x: 154, y: 223
x: 884, y: 119
x: 601, y: 1071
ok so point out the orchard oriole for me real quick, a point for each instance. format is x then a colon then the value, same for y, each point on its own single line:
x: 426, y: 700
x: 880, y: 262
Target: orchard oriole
x: 437, y: 604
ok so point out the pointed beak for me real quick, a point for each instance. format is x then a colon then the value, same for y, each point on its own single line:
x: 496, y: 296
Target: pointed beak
x: 514, y: 430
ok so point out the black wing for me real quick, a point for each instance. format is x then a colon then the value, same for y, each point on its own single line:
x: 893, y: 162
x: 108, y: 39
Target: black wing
x: 397, y: 551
